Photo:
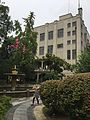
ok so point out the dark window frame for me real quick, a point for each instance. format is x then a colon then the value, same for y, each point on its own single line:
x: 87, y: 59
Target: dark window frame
x: 74, y: 32
x: 68, y: 42
x: 60, y: 33
x: 68, y: 54
x: 74, y: 24
x: 60, y: 45
x: 42, y: 36
x: 41, y: 50
x: 50, y: 49
x: 69, y: 33
x: 74, y: 41
x: 50, y: 35
x: 68, y: 25
x: 74, y: 54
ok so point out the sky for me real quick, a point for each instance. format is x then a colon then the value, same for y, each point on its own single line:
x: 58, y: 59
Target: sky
x: 47, y: 11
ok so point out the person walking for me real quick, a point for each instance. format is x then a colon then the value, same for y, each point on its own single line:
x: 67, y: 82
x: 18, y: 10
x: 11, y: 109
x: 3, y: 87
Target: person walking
x: 36, y: 95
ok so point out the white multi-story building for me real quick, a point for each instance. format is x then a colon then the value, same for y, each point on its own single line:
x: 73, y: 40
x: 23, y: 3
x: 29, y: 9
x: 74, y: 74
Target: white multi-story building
x: 65, y: 38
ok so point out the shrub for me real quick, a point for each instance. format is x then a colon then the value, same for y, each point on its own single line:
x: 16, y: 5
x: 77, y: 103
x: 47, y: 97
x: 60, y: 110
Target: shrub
x: 71, y: 95
x: 4, y: 106
x: 49, y: 96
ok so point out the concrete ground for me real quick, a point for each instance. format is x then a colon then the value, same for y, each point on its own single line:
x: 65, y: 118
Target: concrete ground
x: 22, y: 110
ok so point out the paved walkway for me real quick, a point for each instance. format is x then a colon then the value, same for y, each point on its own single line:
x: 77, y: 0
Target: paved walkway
x: 21, y: 110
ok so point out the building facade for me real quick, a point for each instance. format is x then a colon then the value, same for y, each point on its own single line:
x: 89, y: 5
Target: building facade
x: 66, y: 38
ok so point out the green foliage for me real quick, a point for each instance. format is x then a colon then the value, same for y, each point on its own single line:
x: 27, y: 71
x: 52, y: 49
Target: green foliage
x: 21, y: 49
x: 4, y: 106
x: 51, y: 76
x: 54, y: 63
x: 6, y: 25
x: 71, y: 96
x: 49, y: 95
x: 83, y: 64
x: 53, y: 66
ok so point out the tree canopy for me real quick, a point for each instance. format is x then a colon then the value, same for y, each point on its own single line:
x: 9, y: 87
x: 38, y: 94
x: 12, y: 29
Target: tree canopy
x: 55, y: 65
x: 6, y: 24
x: 83, y: 64
x: 19, y: 49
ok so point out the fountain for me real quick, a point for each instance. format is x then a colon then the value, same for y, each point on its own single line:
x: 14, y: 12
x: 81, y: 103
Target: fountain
x: 14, y: 75
x: 17, y: 90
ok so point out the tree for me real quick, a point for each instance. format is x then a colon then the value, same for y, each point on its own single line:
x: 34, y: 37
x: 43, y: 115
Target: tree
x: 23, y: 51
x: 6, y: 25
x: 55, y: 66
x: 20, y: 50
x: 83, y: 64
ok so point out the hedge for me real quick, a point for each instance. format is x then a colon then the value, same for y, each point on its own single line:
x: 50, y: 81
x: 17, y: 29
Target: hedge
x: 4, y: 106
x: 71, y: 96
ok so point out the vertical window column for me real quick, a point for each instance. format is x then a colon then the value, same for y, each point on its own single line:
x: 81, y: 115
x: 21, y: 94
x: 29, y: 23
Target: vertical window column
x: 50, y: 35
x: 60, y: 33
x: 74, y: 54
x: 41, y: 50
x: 68, y: 54
x: 50, y: 49
x: 42, y: 36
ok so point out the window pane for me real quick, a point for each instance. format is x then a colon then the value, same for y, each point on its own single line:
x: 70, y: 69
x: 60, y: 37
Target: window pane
x: 74, y: 54
x: 60, y: 33
x: 50, y: 49
x: 73, y: 41
x: 74, y: 24
x: 68, y: 42
x: 50, y: 35
x: 73, y: 32
x: 60, y: 45
x: 68, y: 25
x: 41, y: 50
x: 68, y: 54
x: 69, y: 33
x: 42, y: 36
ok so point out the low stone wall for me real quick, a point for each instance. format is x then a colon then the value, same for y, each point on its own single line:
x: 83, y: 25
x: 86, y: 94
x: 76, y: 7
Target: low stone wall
x: 18, y: 94
x: 19, y: 87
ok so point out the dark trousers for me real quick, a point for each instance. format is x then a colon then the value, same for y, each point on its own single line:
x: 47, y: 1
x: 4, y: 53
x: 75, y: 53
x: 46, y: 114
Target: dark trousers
x: 36, y: 99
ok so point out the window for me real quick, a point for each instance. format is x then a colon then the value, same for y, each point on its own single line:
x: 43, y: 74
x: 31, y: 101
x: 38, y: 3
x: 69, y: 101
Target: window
x: 74, y: 24
x: 50, y: 35
x: 74, y: 54
x: 50, y: 49
x: 68, y: 42
x: 81, y: 35
x: 60, y: 33
x: 60, y: 45
x: 69, y: 33
x: 73, y: 41
x: 42, y: 36
x: 73, y: 32
x: 85, y: 36
x: 68, y: 54
x: 68, y: 25
x: 41, y: 50
x: 81, y: 26
x: 81, y: 43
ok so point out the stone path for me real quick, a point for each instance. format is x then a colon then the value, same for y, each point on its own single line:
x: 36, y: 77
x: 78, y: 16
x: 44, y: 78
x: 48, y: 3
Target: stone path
x: 21, y: 110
